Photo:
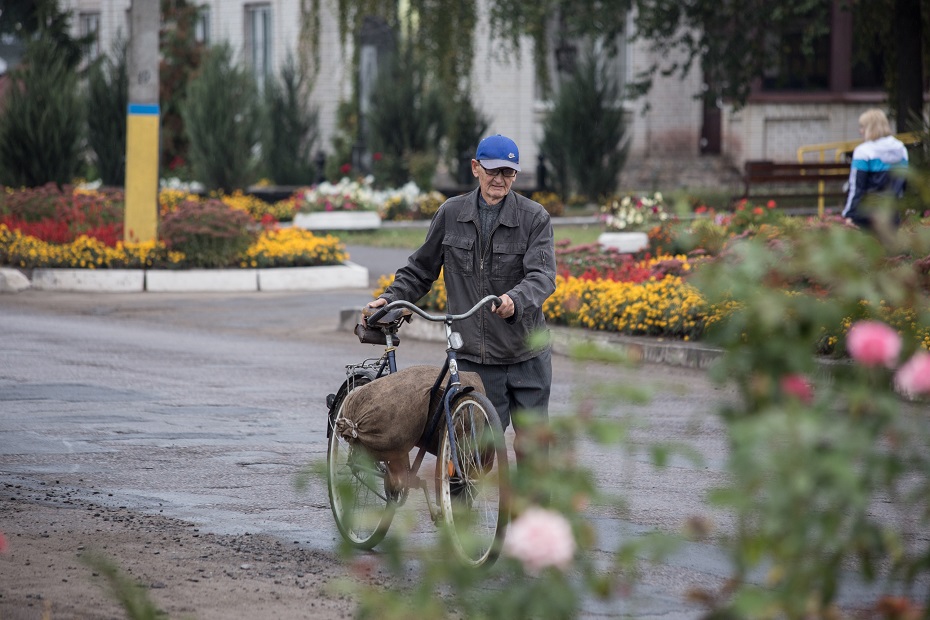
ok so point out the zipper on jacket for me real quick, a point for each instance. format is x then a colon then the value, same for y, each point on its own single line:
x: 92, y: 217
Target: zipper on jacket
x: 484, y: 258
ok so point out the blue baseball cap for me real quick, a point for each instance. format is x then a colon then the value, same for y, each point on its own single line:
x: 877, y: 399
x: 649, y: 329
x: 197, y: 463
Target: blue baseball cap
x: 498, y: 152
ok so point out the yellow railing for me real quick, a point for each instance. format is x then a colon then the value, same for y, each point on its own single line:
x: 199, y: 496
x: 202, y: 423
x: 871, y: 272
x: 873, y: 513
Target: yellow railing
x: 841, y: 150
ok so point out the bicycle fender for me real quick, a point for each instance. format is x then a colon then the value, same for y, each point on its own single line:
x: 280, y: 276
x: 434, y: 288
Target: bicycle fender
x: 454, y: 392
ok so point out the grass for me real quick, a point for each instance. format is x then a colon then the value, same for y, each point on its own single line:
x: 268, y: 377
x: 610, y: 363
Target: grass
x: 411, y: 238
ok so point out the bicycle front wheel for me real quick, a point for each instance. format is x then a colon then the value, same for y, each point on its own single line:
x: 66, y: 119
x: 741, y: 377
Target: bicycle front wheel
x: 358, y: 495
x: 474, y: 496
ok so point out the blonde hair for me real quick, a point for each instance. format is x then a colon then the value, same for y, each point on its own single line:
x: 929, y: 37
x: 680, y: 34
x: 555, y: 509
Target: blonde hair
x: 874, y: 124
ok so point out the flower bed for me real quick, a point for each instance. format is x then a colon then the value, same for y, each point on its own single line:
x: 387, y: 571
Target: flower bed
x: 274, y: 248
x: 82, y: 228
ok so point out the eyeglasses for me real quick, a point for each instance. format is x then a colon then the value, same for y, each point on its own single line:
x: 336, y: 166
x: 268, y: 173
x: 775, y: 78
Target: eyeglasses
x: 507, y: 173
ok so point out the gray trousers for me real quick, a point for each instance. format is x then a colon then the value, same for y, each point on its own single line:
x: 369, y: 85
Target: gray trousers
x: 516, y: 387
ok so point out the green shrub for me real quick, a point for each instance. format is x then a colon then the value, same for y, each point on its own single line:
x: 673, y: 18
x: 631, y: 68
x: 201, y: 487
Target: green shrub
x: 339, y: 162
x: 222, y: 114
x: 406, y: 124
x: 108, y: 97
x: 582, y: 134
x: 42, y: 122
x: 209, y: 233
x: 181, y: 57
x: 466, y: 128
x: 292, y: 130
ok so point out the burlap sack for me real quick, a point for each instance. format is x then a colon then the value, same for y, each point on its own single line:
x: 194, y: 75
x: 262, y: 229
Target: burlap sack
x: 468, y: 379
x: 388, y: 415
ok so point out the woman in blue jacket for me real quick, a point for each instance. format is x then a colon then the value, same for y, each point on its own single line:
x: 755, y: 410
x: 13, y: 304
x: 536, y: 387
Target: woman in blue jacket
x: 877, y: 166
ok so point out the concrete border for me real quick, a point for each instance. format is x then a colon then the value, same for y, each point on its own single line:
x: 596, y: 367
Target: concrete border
x: 89, y: 280
x: 327, y: 277
x: 347, y: 275
x: 201, y: 280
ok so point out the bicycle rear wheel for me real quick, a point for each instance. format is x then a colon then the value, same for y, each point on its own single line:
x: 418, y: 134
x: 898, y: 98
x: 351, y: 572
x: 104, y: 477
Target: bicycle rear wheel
x: 475, y: 505
x: 362, y: 506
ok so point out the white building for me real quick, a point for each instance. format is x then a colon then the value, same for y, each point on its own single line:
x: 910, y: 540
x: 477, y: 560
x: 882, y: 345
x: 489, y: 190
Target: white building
x: 667, y: 141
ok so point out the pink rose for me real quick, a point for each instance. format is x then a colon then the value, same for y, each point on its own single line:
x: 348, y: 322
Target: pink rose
x: 913, y: 377
x: 540, y: 538
x: 872, y: 343
x: 799, y: 387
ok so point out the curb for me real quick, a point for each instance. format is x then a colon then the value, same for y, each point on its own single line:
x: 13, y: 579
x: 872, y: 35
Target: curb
x: 346, y: 275
x: 565, y: 339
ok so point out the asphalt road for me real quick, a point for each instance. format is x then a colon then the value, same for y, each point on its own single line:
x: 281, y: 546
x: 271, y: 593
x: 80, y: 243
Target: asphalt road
x: 204, y: 408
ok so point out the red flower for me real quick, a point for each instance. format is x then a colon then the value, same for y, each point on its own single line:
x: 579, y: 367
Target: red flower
x: 701, y: 209
x: 176, y: 163
x: 797, y: 386
x: 376, y: 156
x: 757, y: 211
x: 770, y: 204
x: 345, y: 168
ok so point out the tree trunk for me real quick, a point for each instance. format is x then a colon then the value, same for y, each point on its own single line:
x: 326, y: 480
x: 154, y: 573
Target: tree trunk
x: 908, y: 64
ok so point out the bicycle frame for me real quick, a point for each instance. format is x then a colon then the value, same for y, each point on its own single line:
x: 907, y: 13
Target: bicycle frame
x: 450, y: 366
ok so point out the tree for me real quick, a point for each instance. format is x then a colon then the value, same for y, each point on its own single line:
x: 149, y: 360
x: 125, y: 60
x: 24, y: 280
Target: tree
x: 908, y: 41
x: 181, y: 55
x: 292, y: 130
x: 582, y: 134
x: 41, y: 127
x: 108, y: 97
x: 732, y: 41
x: 222, y: 113
x: 44, y: 18
x: 406, y: 123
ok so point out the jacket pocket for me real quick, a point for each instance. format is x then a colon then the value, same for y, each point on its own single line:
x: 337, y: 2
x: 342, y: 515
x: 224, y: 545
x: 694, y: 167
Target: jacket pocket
x: 507, y: 262
x: 459, y: 254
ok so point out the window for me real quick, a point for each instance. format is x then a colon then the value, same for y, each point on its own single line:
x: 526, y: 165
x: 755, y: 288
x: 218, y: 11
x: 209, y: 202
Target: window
x: 258, y: 40
x: 89, y: 24
x: 794, y: 68
x: 202, y: 26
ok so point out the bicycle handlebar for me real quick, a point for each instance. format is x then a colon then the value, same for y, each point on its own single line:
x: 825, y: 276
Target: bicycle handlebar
x: 380, y: 312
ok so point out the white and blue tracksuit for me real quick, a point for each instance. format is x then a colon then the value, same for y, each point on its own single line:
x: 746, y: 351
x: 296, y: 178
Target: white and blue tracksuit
x: 875, y: 168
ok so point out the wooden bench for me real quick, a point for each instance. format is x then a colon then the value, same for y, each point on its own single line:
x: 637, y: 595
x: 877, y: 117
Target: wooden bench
x: 809, y: 184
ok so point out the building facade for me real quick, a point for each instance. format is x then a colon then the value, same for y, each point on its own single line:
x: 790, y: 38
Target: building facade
x: 669, y: 125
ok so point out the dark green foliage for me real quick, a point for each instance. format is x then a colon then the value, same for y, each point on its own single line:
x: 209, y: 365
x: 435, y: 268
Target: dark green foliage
x: 292, y: 130
x: 466, y: 128
x: 222, y: 114
x: 42, y: 121
x: 28, y: 19
x: 108, y: 99
x: 405, y: 123
x: 181, y: 56
x: 339, y: 162
x: 210, y: 233
x: 582, y: 134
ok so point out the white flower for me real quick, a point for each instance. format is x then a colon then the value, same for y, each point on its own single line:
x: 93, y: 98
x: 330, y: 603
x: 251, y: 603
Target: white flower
x: 540, y: 538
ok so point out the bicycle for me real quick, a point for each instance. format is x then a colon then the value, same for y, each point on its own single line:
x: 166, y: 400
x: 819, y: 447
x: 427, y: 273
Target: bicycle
x: 463, y: 430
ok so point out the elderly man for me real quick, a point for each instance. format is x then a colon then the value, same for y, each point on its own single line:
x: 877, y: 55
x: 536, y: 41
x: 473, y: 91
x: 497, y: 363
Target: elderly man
x: 492, y: 241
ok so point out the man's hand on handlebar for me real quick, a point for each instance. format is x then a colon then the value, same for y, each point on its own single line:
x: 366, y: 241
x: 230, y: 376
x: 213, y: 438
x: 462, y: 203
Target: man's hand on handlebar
x: 505, y: 310
x: 375, y: 303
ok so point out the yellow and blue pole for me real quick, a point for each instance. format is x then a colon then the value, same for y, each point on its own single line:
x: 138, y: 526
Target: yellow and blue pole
x: 142, y: 143
x: 142, y: 154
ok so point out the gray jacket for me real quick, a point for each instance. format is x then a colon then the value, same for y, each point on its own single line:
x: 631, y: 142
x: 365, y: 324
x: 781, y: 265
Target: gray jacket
x: 520, y: 263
